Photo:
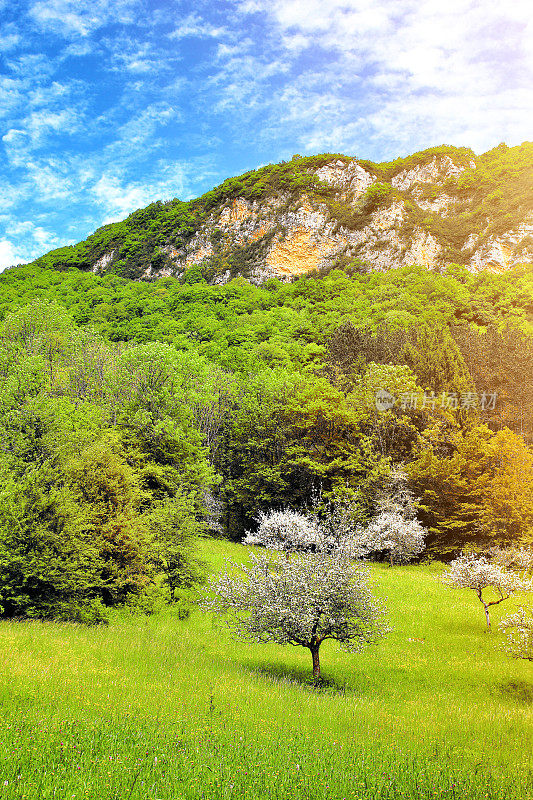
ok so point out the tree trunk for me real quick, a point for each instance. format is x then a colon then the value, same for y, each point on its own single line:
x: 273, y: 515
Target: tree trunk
x: 316, y: 662
x: 485, y: 606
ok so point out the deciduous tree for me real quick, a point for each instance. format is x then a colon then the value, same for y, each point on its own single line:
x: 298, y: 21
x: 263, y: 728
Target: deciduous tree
x: 475, y: 487
x: 390, y: 534
x: 479, y: 574
x: 284, y: 529
x: 302, y: 601
x: 519, y: 630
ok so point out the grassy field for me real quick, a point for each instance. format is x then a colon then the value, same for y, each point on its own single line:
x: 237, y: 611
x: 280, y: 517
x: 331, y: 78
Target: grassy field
x: 162, y: 708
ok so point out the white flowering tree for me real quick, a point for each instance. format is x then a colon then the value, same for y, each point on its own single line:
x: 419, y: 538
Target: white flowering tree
x: 285, y: 530
x: 291, y: 531
x: 519, y: 629
x: 212, y: 507
x: 517, y: 559
x: 389, y: 533
x: 478, y: 573
x: 339, y: 531
x: 303, y: 600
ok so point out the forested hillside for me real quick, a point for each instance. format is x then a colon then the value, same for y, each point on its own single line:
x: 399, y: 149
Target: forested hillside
x: 266, y: 413
x: 135, y: 415
x: 439, y: 206
x: 281, y: 350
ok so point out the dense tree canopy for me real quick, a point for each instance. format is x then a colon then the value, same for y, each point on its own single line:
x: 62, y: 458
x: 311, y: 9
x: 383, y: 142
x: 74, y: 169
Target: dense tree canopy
x: 101, y: 470
x: 124, y: 405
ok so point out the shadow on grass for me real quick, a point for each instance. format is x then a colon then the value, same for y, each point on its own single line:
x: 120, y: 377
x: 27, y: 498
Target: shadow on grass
x: 520, y: 692
x: 296, y: 676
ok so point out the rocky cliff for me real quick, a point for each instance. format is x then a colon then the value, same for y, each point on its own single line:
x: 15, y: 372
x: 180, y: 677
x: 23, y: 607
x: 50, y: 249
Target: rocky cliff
x: 441, y: 206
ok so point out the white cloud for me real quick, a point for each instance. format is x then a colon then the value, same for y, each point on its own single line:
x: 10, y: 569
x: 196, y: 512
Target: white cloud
x: 193, y: 25
x: 31, y: 66
x: 47, y: 95
x: 81, y: 17
x: 10, y: 95
x: 41, y: 123
x: 32, y: 241
x: 433, y: 71
x: 117, y: 197
x: 49, y: 183
x: 137, y: 136
x: 124, y: 53
x: 241, y: 80
x: 32, y: 133
x: 30, y: 86
x: 43, y: 181
x: 8, y: 254
x: 78, y: 48
x: 9, y: 41
x: 11, y: 194
x: 118, y: 200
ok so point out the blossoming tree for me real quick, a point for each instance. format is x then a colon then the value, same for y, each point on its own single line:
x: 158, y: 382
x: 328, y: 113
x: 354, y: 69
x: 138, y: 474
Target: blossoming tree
x: 516, y: 559
x: 285, y: 530
x: 478, y: 573
x: 519, y: 629
x: 291, y: 531
x: 390, y: 533
x: 302, y: 600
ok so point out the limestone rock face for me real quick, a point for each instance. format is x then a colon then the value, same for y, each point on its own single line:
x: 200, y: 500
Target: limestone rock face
x: 350, y: 178
x: 443, y: 204
x: 378, y: 219
x: 295, y: 240
x: 297, y: 254
x: 436, y: 171
x: 500, y: 253
x: 305, y: 238
x: 103, y: 262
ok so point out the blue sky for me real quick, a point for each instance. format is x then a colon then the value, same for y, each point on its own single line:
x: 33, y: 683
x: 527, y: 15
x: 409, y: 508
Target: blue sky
x: 108, y: 105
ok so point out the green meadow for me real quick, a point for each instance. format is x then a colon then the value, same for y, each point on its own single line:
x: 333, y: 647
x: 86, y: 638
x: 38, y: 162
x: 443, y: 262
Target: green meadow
x: 158, y: 707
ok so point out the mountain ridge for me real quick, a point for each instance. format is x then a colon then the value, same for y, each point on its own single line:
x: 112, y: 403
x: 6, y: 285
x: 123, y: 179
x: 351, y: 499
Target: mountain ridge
x: 439, y: 206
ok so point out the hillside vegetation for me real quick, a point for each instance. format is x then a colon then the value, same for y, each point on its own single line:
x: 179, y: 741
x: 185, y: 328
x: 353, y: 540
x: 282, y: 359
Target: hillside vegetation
x: 490, y: 194
x: 305, y: 326
x: 135, y: 415
x: 144, y: 427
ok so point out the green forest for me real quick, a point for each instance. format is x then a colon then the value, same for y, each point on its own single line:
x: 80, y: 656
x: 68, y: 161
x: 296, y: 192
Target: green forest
x: 136, y: 416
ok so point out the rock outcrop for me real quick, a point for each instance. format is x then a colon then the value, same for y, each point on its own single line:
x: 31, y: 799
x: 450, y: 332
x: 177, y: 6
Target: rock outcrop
x: 437, y: 207
x: 301, y: 236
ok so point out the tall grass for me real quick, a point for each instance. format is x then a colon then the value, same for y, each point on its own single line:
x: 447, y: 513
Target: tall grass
x: 166, y: 708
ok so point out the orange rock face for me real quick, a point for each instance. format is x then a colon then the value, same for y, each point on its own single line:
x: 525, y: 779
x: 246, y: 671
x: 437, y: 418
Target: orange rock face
x: 298, y: 253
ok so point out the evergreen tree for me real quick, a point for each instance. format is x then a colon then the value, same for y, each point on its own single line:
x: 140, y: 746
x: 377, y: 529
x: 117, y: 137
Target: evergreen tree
x: 49, y: 562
